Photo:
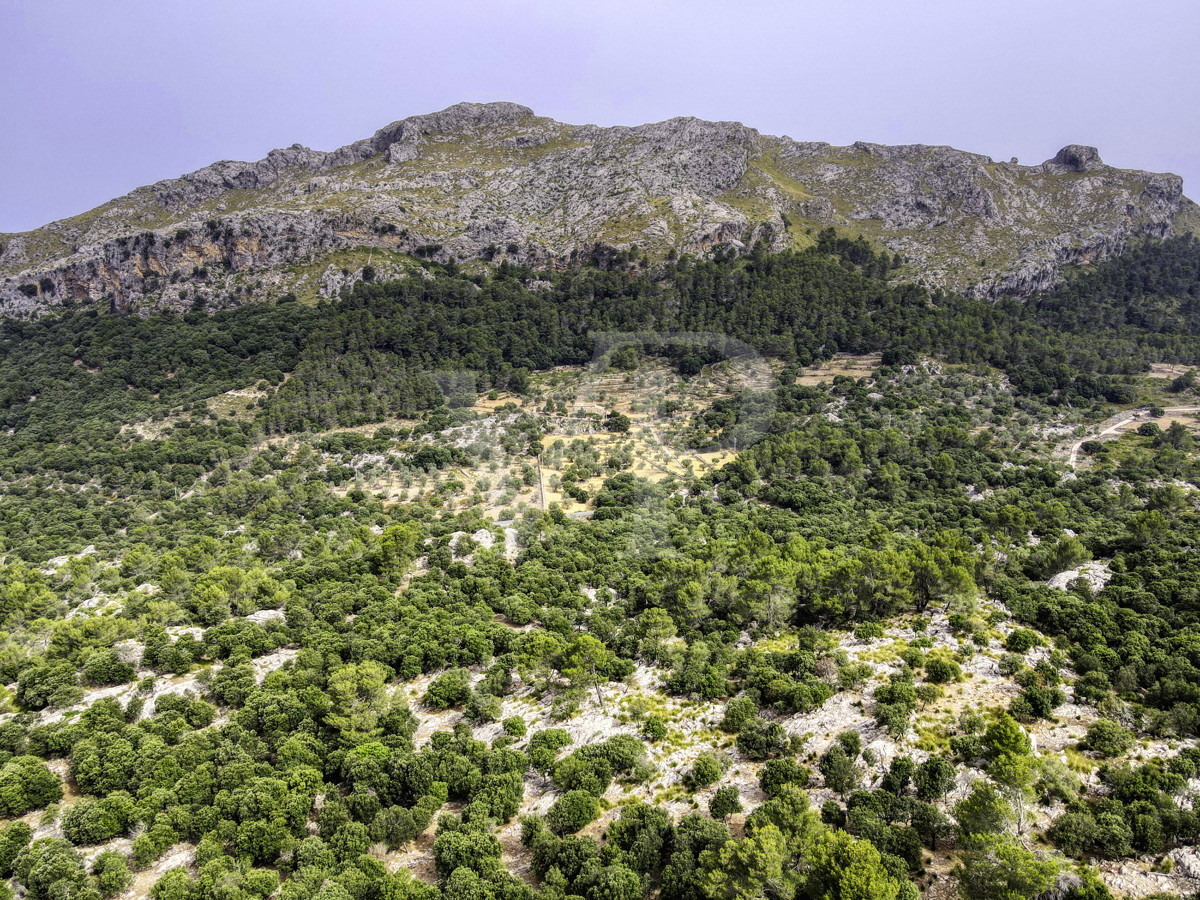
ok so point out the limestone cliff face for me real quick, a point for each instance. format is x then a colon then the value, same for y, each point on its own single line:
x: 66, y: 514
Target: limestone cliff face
x: 496, y: 180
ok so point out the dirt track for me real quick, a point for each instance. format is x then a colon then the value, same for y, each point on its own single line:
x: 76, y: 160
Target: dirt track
x: 1115, y: 425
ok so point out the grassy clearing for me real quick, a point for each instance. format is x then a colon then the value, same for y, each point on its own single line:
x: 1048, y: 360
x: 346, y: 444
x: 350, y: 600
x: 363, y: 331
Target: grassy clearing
x: 849, y: 365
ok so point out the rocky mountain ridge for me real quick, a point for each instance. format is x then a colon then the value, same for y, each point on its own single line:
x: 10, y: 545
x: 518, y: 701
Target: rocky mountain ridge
x: 496, y: 181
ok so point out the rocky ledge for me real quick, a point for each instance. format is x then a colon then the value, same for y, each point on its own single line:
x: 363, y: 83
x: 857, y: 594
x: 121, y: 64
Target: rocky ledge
x: 497, y: 181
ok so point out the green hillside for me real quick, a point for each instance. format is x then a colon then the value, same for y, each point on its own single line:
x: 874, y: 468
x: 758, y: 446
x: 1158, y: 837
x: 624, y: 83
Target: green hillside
x: 747, y: 576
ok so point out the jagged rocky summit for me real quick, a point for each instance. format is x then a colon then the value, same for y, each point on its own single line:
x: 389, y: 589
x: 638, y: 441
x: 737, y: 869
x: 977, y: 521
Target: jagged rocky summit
x: 497, y: 181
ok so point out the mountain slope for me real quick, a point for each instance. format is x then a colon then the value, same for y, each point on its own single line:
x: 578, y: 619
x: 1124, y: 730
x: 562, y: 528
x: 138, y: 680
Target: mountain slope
x: 496, y: 180
x: 519, y: 585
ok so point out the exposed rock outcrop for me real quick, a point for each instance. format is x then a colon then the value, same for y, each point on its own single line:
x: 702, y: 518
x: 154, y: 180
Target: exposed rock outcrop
x: 1074, y: 158
x: 495, y: 180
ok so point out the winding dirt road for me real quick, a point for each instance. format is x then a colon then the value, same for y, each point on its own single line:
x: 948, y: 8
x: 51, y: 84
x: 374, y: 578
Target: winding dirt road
x: 1118, y: 422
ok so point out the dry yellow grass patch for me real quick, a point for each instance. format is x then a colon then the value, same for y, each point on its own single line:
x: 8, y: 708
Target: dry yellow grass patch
x: 842, y: 364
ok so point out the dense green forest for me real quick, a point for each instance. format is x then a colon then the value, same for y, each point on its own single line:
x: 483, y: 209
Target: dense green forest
x: 369, y: 353
x: 237, y: 669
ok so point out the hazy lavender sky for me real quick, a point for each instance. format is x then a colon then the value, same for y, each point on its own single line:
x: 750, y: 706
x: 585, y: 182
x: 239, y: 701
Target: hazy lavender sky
x: 97, y: 98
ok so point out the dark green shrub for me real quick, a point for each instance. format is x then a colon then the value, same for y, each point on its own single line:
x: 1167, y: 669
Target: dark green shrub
x: 779, y: 772
x: 572, y: 811
x: 1108, y: 738
x: 654, y: 728
x: 705, y: 770
x: 739, y: 712
x: 112, y: 873
x: 725, y: 802
x: 1022, y: 640
x: 452, y: 688
x: 763, y: 740
x: 25, y: 784
x: 940, y: 670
